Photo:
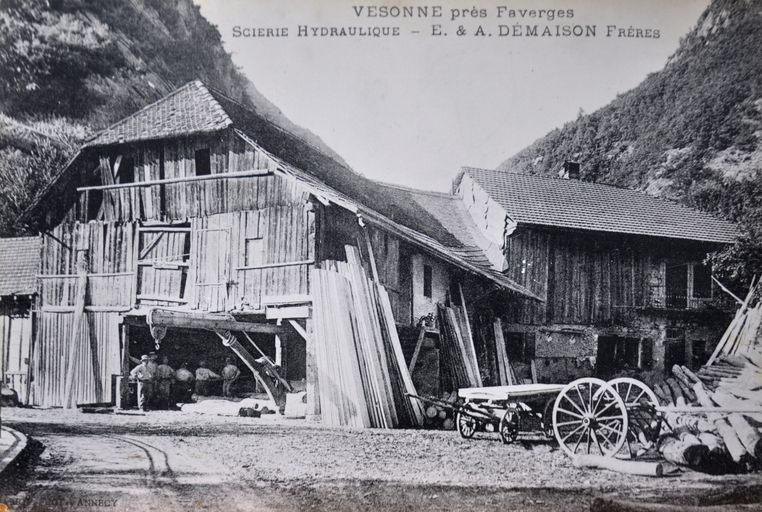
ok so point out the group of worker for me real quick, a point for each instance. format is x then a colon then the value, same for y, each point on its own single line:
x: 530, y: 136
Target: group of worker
x: 158, y: 383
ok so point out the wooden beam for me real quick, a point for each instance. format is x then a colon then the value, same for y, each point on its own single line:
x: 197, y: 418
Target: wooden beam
x: 277, y: 376
x: 277, y: 265
x: 371, y: 256
x: 150, y: 246
x: 70, y: 391
x: 287, y: 312
x: 220, y: 176
x: 207, y: 321
x: 299, y: 329
x: 417, y: 351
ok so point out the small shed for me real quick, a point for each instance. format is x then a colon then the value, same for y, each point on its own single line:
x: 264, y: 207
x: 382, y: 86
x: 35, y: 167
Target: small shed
x: 19, y: 266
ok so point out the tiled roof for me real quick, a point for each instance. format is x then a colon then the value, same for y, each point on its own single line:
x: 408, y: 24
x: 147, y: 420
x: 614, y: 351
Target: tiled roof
x: 189, y: 109
x: 19, y: 265
x: 578, y: 204
x: 450, y: 216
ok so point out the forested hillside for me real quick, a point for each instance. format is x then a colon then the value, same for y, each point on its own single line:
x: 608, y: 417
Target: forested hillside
x: 71, y: 67
x: 691, y: 132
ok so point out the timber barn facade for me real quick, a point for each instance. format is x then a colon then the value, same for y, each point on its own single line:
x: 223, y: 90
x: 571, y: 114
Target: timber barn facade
x: 622, y: 275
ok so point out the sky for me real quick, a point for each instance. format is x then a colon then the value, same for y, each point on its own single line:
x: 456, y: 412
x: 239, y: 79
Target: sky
x: 412, y: 109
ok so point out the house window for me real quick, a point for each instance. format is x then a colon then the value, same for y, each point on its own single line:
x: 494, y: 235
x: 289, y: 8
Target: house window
x: 702, y: 281
x: 617, y: 354
x: 677, y: 286
x: 427, y: 281
x: 126, y: 171
x: 203, y: 162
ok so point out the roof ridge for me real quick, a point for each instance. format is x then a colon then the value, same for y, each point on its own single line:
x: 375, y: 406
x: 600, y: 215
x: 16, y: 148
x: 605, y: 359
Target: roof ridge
x: 171, y: 94
x: 416, y: 190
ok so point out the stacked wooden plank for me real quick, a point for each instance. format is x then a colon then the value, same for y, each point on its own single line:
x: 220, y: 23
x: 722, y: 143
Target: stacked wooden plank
x: 504, y: 370
x: 457, y: 354
x: 362, y: 376
x: 717, y: 410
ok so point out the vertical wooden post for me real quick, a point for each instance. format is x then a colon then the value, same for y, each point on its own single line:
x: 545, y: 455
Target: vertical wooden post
x: 124, y: 387
x: 313, y: 400
x: 70, y: 398
x: 278, y: 351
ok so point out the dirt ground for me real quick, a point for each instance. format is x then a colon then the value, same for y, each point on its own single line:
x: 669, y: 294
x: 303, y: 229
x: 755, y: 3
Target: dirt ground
x: 177, y: 461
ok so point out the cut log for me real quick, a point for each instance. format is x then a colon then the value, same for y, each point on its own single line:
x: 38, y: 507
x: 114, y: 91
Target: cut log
x: 748, y: 435
x: 630, y: 467
x: 711, y: 441
x: 208, y: 321
x: 431, y: 412
x: 689, y: 373
x: 677, y: 393
x: 729, y: 436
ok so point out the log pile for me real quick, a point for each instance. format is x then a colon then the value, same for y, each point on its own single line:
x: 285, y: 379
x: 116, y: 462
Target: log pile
x: 715, y: 414
x: 438, y: 416
x: 362, y: 375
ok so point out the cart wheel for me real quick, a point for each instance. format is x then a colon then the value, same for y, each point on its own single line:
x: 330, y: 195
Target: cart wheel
x: 590, y: 417
x: 466, y: 425
x: 509, y: 426
x: 644, y: 421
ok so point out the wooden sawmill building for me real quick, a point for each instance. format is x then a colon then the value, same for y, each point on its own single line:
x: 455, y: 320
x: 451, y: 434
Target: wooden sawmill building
x: 196, y: 215
x: 623, y: 275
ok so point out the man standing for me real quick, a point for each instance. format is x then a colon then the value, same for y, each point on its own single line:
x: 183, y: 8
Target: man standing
x: 203, y: 376
x: 143, y: 375
x: 164, y: 377
x: 152, y: 367
x: 184, y: 384
x: 230, y: 374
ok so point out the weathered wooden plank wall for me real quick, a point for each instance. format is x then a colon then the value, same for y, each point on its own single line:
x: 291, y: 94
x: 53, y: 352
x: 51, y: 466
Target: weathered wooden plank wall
x: 386, y: 249
x: 585, y: 280
x: 175, y: 158
x: 258, y: 254
x: 95, y: 365
x: 15, y: 341
x: 111, y: 260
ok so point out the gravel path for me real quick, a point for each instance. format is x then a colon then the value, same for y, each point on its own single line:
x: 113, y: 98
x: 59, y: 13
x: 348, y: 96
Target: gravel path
x: 177, y: 461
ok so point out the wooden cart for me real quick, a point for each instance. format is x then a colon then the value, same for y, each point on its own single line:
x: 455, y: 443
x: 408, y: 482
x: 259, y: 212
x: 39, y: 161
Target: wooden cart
x: 509, y: 410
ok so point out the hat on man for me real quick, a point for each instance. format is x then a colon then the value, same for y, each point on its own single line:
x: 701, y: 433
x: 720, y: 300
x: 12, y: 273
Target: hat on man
x: 144, y: 357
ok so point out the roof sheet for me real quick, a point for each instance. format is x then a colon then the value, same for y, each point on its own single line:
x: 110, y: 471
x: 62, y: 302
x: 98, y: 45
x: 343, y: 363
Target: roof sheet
x: 592, y: 206
x: 189, y: 109
x: 19, y: 265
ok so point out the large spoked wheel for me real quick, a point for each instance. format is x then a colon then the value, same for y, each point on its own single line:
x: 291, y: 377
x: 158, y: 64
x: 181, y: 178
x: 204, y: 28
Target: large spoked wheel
x: 644, y: 421
x: 589, y: 417
x: 509, y: 426
x: 466, y: 425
